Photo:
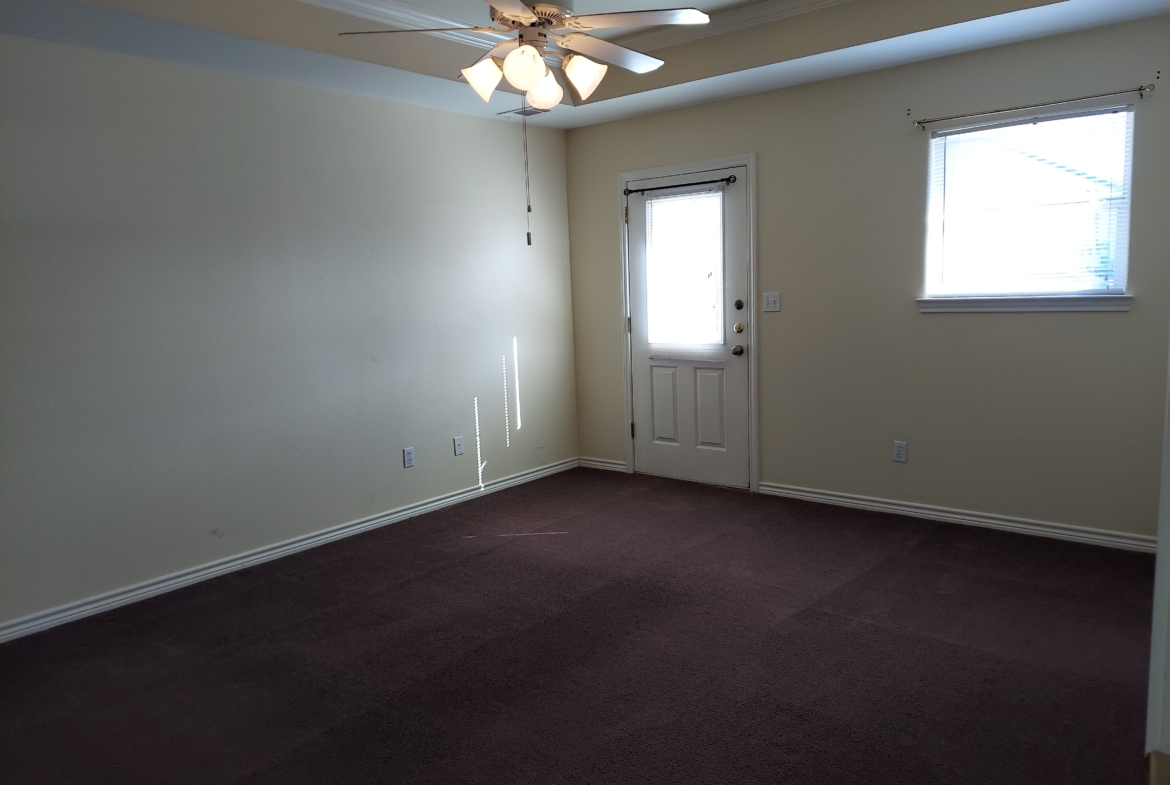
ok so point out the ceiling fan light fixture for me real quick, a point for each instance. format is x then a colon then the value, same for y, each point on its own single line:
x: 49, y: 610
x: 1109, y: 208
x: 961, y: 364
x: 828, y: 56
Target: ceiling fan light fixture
x: 483, y: 77
x: 584, y: 74
x: 524, y: 67
x: 547, y: 94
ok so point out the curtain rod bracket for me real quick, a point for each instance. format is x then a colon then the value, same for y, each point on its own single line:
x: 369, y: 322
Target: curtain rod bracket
x: 1140, y: 90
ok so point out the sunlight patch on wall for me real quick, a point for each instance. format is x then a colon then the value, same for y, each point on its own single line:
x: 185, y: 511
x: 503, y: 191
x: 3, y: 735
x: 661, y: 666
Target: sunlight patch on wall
x: 479, y: 461
x: 507, y: 425
x: 516, y: 368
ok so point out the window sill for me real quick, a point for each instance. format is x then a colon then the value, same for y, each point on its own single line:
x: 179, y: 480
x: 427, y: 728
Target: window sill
x: 1069, y: 302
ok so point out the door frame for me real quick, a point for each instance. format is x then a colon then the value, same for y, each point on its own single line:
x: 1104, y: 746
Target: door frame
x: 747, y: 160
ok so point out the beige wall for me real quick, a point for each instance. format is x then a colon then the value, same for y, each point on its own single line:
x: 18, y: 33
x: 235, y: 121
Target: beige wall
x: 1048, y: 416
x: 226, y: 304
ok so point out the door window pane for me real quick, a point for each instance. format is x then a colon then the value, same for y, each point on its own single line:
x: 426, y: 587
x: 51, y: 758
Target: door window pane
x: 684, y: 268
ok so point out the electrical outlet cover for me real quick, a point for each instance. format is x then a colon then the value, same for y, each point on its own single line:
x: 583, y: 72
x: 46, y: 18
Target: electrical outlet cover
x: 458, y: 445
x: 900, y: 452
x: 407, y: 457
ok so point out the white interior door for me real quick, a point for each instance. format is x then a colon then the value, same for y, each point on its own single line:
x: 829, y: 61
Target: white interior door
x: 690, y: 300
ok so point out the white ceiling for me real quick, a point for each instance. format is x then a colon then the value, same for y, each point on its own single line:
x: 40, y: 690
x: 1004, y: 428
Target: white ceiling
x: 84, y: 25
x: 1063, y: 17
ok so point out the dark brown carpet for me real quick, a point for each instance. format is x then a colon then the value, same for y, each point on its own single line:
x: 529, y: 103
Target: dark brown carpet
x: 673, y: 633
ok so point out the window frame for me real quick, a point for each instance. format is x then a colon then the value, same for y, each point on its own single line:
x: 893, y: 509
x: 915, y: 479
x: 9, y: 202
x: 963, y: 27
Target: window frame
x: 1041, y: 302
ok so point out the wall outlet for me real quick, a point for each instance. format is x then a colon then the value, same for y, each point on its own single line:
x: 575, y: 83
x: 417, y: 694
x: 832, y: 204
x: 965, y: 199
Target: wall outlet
x: 407, y: 457
x: 771, y: 301
x: 458, y: 445
x: 900, y: 452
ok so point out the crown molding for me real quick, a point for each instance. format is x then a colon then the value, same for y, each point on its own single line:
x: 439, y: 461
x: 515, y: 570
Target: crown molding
x: 408, y: 17
x: 724, y: 22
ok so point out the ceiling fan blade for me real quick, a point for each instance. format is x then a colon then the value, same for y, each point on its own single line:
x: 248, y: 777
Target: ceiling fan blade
x: 513, y: 8
x: 428, y: 30
x: 609, y: 53
x: 666, y: 16
x: 502, y: 48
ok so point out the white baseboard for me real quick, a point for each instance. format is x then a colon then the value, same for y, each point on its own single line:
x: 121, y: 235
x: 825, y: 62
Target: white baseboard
x: 1060, y: 531
x: 43, y: 620
x: 603, y: 463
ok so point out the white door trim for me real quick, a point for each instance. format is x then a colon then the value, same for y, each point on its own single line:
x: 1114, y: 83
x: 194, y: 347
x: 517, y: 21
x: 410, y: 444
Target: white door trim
x: 747, y: 160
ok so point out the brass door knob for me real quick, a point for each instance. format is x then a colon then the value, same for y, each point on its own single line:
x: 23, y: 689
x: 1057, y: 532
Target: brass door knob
x: 738, y: 327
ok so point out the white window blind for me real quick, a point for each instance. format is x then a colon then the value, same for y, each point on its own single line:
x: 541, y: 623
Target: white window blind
x: 684, y: 268
x: 1033, y: 208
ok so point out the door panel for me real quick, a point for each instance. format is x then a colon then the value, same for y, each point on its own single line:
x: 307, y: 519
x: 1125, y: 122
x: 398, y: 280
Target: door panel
x: 689, y: 265
x: 709, y: 407
x: 665, y: 402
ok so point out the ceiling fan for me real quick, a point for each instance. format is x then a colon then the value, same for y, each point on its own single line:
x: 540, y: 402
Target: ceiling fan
x: 521, y: 60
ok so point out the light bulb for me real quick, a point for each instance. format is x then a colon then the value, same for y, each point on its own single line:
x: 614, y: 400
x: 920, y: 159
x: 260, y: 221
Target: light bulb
x: 585, y: 74
x: 524, y: 67
x: 483, y: 77
x: 547, y: 94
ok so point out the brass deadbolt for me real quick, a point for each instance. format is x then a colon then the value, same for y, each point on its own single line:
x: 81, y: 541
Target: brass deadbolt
x: 738, y: 327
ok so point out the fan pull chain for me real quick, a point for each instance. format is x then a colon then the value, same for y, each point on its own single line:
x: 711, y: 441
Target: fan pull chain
x: 527, y: 188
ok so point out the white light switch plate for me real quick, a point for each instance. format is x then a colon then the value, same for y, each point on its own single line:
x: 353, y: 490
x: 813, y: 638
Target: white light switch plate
x: 407, y: 457
x: 458, y: 445
x: 771, y: 301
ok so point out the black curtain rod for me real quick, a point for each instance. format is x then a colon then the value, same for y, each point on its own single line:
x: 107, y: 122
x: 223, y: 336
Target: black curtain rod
x: 1140, y: 90
x: 728, y: 180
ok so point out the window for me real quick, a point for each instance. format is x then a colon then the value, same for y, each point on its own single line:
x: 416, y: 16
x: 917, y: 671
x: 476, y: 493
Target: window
x: 684, y: 269
x: 1032, y: 208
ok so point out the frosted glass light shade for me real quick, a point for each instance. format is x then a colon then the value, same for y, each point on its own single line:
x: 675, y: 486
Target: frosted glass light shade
x: 547, y: 94
x: 585, y: 74
x: 483, y: 77
x: 524, y: 67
